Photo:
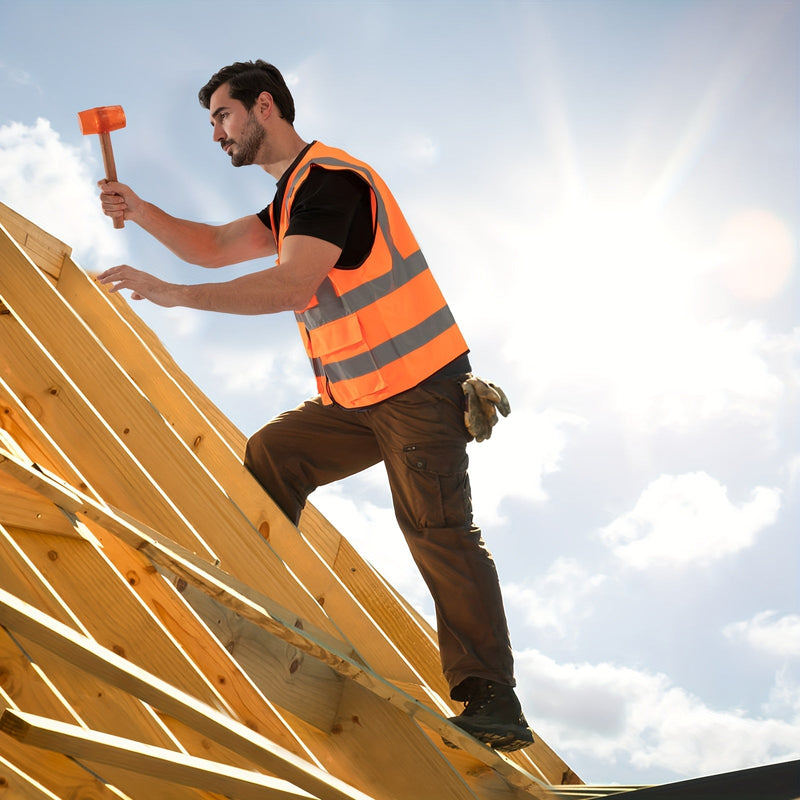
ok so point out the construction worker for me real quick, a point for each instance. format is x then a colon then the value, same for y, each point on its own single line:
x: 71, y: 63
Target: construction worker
x: 392, y: 367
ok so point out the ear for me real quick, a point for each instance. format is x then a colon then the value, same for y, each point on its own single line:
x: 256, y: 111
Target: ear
x: 264, y: 105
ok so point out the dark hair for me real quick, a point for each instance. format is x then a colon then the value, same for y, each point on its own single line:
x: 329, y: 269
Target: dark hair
x: 246, y: 80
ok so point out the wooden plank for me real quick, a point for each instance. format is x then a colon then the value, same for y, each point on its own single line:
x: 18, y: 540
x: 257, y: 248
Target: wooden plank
x: 240, y: 599
x: 21, y: 433
x: 167, y: 765
x: 60, y: 777
x: 21, y: 507
x: 81, y: 695
x: 17, y: 784
x: 108, y: 409
x: 129, y: 633
x: 44, y: 250
x: 38, y: 681
x: 255, y: 671
x: 75, y: 426
x: 88, y: 656
x: 163, y: 638
x: 232, y: 592
x: 306, y: 687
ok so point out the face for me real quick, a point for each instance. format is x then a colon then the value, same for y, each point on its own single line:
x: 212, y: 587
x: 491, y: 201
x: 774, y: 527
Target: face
x: 238, y: 131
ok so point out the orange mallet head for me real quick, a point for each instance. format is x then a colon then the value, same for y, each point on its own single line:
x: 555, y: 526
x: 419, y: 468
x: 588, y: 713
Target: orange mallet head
x: 102, y: 120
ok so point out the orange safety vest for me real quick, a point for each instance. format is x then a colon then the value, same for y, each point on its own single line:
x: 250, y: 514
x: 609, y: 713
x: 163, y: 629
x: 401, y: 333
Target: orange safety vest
x: 374, y: 331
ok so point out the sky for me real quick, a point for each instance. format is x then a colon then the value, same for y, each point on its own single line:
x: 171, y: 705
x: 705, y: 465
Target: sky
x: 608, y: 192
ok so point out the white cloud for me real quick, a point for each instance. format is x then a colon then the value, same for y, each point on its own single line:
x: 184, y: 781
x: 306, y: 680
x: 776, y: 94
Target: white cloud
x: 55, y: 186
x: 703, y: 372
x: 621, y: 715
x: 524, y: 448
x: 768, y: 633
x: 689, y: 519
x: 555, y: 600
x: 242, y: 371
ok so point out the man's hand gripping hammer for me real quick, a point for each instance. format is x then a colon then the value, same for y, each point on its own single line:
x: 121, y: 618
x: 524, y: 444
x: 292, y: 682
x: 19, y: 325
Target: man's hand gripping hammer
x: 102, y: 121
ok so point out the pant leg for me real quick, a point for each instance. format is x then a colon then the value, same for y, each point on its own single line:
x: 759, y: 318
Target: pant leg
x: 306, y: 447
x: 423, y: 441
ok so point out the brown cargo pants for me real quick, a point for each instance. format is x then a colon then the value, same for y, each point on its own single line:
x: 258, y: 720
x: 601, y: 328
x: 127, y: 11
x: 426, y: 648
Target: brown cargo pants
x: 421, y: 438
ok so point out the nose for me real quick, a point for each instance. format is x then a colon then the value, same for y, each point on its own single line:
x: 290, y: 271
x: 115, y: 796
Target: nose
x: 218, y: 133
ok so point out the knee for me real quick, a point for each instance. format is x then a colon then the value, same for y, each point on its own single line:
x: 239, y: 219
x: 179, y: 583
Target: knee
x: 254, y: 452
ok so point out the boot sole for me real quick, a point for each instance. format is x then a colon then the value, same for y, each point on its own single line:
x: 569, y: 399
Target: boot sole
x: 505, y: 740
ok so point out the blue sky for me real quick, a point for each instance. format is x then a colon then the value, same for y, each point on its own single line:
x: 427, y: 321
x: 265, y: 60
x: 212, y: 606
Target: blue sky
x: 609, y: 194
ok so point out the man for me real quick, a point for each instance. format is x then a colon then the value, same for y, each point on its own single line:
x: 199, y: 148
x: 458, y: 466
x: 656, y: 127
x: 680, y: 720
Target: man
x: 388, y: 357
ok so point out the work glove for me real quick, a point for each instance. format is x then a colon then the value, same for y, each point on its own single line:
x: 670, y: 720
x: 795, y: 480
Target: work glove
x: 483, y: 400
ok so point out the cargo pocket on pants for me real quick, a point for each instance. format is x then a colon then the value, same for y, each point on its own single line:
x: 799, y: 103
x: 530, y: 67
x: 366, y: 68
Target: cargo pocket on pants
x: 438, y: 481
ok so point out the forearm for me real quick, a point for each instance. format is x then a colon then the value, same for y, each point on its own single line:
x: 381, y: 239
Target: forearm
x: 264, y: 292
x: 194, y: 242
x: 243, y: 239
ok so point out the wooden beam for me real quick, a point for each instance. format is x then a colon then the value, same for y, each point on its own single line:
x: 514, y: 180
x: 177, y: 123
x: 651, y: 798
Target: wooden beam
x: 261, y: 611
x: 22, y: 434
x: 40, y: 682
x: 306, y: 687
x: 17, y: 784
x: 122, y: 443
x: 21, y: 775
x: 157, y: 762
x: 228, y: 590
x: 89, y: 656
x: 47, y: 252
x: 22, y: 507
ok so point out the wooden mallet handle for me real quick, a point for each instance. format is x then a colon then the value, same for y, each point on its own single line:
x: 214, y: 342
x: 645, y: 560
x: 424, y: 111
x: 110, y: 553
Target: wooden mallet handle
x: 110, y: 167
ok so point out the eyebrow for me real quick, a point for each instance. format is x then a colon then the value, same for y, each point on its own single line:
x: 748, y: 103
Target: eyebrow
x: 218, y: 112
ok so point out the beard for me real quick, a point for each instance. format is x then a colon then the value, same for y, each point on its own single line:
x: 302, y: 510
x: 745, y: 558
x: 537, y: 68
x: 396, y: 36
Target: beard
x: 246, y: 149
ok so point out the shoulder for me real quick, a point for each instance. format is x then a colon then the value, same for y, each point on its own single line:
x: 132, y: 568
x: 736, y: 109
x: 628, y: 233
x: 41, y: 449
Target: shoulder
x: 337, y: 185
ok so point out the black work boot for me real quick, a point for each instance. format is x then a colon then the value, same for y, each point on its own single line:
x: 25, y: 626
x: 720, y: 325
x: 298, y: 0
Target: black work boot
x: 492, y: 714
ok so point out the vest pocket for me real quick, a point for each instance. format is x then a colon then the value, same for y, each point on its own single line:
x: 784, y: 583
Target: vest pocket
x: 337, y: 338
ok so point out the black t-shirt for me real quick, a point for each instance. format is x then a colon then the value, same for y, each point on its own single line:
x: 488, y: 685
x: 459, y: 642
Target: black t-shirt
x: 331, y: 204
x: 336, y: 205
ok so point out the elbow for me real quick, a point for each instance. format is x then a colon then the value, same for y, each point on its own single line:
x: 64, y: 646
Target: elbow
x: 300, y: 302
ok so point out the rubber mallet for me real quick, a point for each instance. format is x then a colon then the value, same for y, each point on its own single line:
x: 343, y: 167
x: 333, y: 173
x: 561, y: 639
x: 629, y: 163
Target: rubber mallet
x: 102, y: 121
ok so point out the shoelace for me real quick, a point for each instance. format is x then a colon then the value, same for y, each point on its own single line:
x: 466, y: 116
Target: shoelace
x: 479, y: 701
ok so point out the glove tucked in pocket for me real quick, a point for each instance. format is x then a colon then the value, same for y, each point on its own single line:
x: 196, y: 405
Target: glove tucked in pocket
x: 483, y: 400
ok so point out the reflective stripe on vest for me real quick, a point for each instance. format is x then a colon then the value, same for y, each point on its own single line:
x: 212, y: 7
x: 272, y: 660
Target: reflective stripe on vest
x: 374, y: 331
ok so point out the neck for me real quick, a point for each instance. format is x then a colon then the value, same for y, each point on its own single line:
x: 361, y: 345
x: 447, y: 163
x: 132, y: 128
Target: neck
x: 283, y: 150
